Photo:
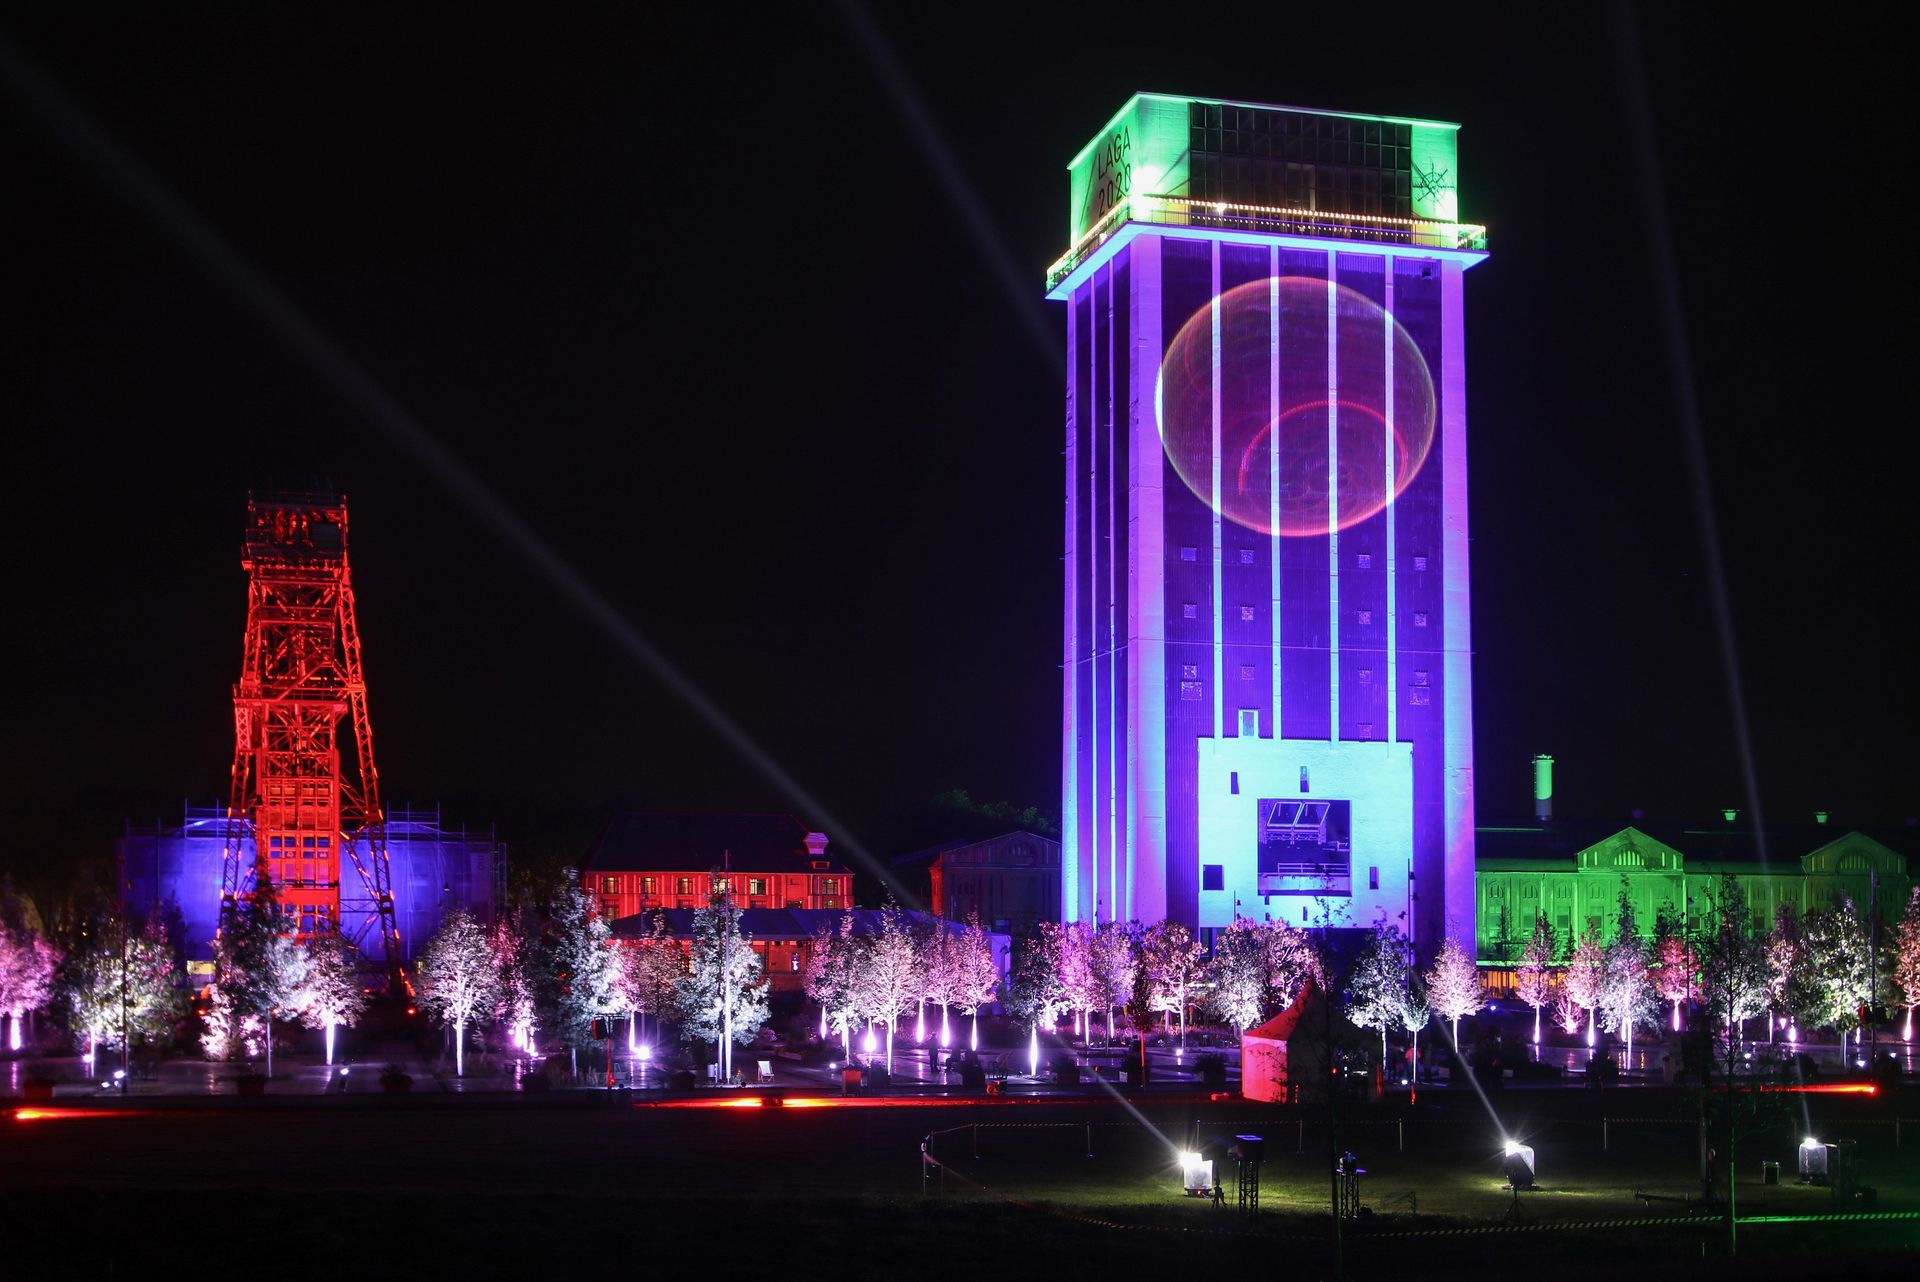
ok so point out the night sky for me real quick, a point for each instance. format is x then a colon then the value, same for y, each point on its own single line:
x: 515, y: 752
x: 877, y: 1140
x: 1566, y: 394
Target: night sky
x: 692, y: 296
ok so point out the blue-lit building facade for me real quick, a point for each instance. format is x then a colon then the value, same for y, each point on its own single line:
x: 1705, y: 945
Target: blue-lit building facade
x: 176, y: 868
x: 1267, y: 626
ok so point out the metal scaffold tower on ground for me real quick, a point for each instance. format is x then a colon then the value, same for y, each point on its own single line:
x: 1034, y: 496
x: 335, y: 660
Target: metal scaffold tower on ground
x: 303, y: 813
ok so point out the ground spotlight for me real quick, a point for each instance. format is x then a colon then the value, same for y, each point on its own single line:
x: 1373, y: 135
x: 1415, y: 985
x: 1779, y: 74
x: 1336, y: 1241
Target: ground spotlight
x: 1518, y: 1165
x: 1196, y: 1175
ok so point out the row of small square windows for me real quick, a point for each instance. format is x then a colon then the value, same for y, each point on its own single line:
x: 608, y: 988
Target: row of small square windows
x: 1361, y: 560
x: 1214, y: 877
x: 1191, y: 610
x: 1249, y: 671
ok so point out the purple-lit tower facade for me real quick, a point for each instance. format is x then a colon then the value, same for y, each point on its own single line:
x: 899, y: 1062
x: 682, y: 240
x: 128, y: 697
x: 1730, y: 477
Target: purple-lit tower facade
x: 1268, y: 679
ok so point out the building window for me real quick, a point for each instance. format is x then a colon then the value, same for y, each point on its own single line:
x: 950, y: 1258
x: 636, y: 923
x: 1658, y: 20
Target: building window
x: 1364, y: 617
x: 1246, y: 556
x: 756, y: 885
x: 1363, y: 560
x: 1419, y: 676
x: 684, y: 885
x: 1191, y: 691
x: 1419, y: 618
x: 1213, y: 876
x: 1419, y: 562
x: 1303, y: 779
x: 648, y: 885
x: 1420, y: 696
x: 1233, y: 782
x: 1250, y: 723
x: 1189, y: 554
x: 610, y: 885
x: 794, y: 965
x: 1373, y: 878
x: 1188, y: 610
x: 1246, y: 672
x: 1366, y: 729
x: 1365, y: 675
x: 1246, y: 614
x: 1190, y: 670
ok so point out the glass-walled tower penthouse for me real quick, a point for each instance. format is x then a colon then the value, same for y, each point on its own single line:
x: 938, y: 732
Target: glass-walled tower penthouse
x: 1268, y: 685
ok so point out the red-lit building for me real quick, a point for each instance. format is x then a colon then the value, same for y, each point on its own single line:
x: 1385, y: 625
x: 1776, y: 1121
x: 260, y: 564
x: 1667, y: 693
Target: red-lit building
x: 642, y: 862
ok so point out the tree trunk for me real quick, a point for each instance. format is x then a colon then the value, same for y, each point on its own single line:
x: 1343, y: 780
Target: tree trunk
x: 329, y: 1043
x: 459, y: 1048
x: 268, y: 1021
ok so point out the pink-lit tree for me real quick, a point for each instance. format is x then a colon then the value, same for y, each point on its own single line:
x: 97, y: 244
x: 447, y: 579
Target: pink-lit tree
x: 976, y: 978
x: 940, y: 958
x: 1171, y: 957
x: 1568, y: 1013
x: 836, y: 962
x: 513, y: 1005
x: 1077, y: 979
x: 1114, y: 961
x: 1905, y: 970
x: 458, y: 978
x: 332, y: 995
x: 1586, y: 972
x: 1453, y: 985
x: 1533, y: 981
x: 1673, y: 964
x: 28, y: 961
x: 650, y: 968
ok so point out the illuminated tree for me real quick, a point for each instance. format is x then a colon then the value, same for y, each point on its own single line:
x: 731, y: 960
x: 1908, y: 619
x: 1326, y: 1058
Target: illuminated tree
x: 892, y: 980
x: 228, y: 1033
x: 1790, y: 979
x: 650, y: 968
x: 1453, y: 985
x: 332, y: 996
x: 1036, y: 994
x: 125, y: 988
x: 1586, y: 974
x: 262, y: 967
x: 1171, y: 957
x: 1733, y: 989
x: 1838, y: 966
x: 28, y: 962
x: 722, y: 998
x: 1416, y: 1012
x: 1906, y: 958
x: 1567, y: 1013
x: 459, y: 981
x: 1626, y: 990
x: 575, y: 966
x: 1114, y: 961
x: 1077, y: 979
x: 835, y: 964
x: 1533, y: 981
x: 976, y: 978
x: 513, y: 988
x: 1673, y: 963
x: 940, y: 973
x: 1377, y: 989
x: 1240, y: 974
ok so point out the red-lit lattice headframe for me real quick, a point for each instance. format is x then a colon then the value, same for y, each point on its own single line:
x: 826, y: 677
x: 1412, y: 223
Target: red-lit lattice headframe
x: 305, y: 804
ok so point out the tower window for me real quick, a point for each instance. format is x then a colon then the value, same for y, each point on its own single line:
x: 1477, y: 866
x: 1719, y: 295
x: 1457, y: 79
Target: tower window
x: 1213, y: 876
x: 1419, y: 618
x: 1246, y: 614
x: 1190, y: 670
x: 1246, y: 672
x: 1373, y: 879
x: 1188, y: 610
x: 1366, y: 729
x: 1233, y: 783
x: 1363, y: 560
x: 1419, y: 562
x: 1420, y: 696
x: 1419, y: 676
x: 1303, y: 779
x: 1365, y: 675
x: 1246, y: 556
x: 1191, y: 691
x: 1189, y: 554
x: 1249, y: 723
x: 1365, y: 617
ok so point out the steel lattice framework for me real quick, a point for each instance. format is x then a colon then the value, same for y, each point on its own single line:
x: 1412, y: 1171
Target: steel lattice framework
x: 310, y: 810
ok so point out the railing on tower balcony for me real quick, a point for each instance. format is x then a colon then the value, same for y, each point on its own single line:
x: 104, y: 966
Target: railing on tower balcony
x: 1179, y: 211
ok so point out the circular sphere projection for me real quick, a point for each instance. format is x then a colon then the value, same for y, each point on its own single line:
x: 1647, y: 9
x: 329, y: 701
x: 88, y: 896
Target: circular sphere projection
x: 1385, y: 394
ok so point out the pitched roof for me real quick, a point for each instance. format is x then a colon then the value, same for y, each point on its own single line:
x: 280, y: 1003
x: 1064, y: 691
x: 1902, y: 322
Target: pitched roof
x: 647, y: 841
x: 775, y: 923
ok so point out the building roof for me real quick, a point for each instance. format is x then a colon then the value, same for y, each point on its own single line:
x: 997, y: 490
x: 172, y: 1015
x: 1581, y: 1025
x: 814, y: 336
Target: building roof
x: 775, y: 923
x: 654, y: 841
x: 1720, y: 845
x: 927, y: 854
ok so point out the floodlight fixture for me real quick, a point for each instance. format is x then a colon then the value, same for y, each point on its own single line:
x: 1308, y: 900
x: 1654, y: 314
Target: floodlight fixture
x: 1519, y: 1165
x: 1815, y: 1161
x: 1196, y: 1175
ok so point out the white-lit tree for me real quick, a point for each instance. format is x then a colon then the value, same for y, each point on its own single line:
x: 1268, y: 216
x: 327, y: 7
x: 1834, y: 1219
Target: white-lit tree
x: 650, y: 968
x: 459, y: 980
x: 1626, y: 991
x: 332, y: 995
x: 1376, y: 992
x: 892, y: 981
x: 1173, y: 961
x: 1567, y: 1013
x: 835, y: 964
x: 584, y: 968
x: 1585, y: 974
x: 722, y: 998
x: 1733, y: 989
x: 1416, y: 1012
x: 976, y: 977
x: 1453, y: 985
x: 125, y: 988
x: 263, y: 968
x: 1839, y: 966
x: 1791, y: 982
x: 1114, y: 960
x: 1240, y: 974
x: 1533, y: 980
x: 1035, y: 993
x: 1906, y: 958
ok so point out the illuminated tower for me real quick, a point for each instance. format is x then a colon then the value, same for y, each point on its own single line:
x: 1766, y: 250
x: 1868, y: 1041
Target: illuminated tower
x: 312, y: 813
x: 1268, y: 687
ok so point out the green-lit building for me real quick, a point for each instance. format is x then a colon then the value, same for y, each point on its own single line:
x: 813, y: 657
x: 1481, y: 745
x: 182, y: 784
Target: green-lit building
x: 1575, y: 875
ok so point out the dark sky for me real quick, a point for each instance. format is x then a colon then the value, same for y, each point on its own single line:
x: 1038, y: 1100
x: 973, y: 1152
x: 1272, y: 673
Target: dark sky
x: 689, y: 294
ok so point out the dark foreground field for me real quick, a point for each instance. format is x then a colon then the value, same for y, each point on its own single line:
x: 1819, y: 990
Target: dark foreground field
x: 488, y: 1186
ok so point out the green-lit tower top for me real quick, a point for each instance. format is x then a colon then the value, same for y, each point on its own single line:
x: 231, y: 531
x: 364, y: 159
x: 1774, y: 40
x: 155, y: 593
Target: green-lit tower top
x: 1266, y: 169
